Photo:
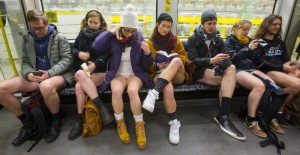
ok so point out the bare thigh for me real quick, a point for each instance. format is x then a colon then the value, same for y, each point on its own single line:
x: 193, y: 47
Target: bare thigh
x: 247, y: 80
x: 97, y: 78
x: 210, y: 79
x: 18, y: 85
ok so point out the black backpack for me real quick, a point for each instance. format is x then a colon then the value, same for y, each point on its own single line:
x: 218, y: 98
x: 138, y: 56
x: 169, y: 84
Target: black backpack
x: 270, y: 103
x: 38, y: 116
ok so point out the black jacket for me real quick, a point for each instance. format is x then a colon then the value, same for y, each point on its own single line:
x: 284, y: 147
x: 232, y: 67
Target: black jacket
x: 83, y: 43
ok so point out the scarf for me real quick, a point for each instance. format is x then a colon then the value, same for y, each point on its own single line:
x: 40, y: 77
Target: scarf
x: 242, y: 39
x: 169, y: 40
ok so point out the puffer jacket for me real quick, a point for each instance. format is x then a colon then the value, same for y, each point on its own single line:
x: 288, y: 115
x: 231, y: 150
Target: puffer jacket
x: 58, y: 52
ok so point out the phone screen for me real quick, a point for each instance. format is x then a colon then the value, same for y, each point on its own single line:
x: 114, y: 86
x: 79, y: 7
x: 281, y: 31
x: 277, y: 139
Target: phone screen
x: 37, y: 73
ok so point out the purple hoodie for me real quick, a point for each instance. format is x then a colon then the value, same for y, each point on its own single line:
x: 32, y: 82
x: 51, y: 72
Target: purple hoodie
x: 107, y: 42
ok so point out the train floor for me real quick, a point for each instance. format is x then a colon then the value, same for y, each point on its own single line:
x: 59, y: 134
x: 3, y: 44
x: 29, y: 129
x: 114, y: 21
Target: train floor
x: 199, y: 134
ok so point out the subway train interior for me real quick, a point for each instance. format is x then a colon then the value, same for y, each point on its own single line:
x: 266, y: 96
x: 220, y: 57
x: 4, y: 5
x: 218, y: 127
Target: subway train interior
x: 199, y: 134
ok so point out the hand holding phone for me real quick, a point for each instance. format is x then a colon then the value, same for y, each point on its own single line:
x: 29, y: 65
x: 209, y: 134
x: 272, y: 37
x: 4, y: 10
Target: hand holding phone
x: 37, y: 73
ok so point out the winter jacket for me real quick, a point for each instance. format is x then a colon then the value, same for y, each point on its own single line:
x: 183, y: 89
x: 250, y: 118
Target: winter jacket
x: 139, y: 61
x: 59, y: 54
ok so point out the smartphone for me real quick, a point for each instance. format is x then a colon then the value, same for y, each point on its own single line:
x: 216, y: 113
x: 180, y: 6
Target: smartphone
x: 37, y: 73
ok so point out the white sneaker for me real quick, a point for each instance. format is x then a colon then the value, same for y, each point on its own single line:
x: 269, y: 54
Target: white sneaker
x: 149, y: 102
x: 174, y: 131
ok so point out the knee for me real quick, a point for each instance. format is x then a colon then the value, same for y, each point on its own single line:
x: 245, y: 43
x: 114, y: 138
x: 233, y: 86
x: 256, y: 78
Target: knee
x: 260, y: 88
x: 46, y: 88
x: 132, y: 92
x: 176, y: 62
x: 116, y: 93
x: 80, y: 75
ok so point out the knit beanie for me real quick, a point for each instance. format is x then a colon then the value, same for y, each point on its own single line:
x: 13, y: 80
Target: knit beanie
x: 129, y: 18
x: 207, y: 15
x: 163, y: 16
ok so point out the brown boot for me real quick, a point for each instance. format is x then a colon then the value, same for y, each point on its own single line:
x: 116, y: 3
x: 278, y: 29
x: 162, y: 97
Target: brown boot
x: 141, y: 140
x: 122, y: 130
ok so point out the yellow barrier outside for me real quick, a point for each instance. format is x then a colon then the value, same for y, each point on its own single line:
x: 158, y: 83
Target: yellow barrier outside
x: 8, y: 48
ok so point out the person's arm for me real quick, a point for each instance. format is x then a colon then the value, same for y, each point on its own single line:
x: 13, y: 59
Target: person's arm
x: 65, y: 56
x: 26, y: 67
x: 102, y: 42
x: 194, y: 55
x: 75, y: 47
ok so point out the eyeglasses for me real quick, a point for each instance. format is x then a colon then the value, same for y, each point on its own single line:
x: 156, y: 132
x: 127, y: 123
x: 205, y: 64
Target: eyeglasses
x: 40, y: 28
x: 129, y: 31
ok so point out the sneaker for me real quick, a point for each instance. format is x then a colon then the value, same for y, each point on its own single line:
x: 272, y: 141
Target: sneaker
x: 254, y: 128
x: 149, y: 102
x: 141, y: 140
x: 276, y: 127
x: 23, y: 135
x: 54, y: 132
x: 227, y: 126
x: 174, y: 131
x: 122, y: 131
x: 281, y: 120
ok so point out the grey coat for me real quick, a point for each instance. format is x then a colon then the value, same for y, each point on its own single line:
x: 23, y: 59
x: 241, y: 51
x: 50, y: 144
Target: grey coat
x: 59, y: 54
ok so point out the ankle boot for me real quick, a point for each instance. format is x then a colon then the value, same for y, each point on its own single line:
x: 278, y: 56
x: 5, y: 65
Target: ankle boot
x: 106, y: 116
x: 24, y: 134
x: 76, y: 130
x: 122, y: 131
x: 141, y: 140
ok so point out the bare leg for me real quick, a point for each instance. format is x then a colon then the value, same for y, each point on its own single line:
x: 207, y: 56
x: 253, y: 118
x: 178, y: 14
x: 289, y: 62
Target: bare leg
x: 118, y: 84
x: 134, y: 85
x: 174, y: 69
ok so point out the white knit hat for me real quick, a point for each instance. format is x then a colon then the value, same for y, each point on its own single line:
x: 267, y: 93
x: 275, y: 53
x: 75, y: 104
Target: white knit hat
x: 129, y: 18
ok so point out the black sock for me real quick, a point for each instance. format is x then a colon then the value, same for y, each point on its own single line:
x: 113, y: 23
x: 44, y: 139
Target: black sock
x: 224, y: 109
x: 97, y: 101
x: 172, y: 116
x: 160, y: 84
x: 250, y: 119
x: 22, y: 118
x: 55, y: 117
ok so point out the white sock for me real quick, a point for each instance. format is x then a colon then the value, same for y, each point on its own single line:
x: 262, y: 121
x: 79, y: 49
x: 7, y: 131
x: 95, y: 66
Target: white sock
x: 119, y: 116
x: 138, y: 118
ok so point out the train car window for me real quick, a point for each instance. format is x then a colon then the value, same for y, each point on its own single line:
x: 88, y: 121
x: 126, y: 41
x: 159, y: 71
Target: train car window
x: 228, y: 12
x: 67, y: 14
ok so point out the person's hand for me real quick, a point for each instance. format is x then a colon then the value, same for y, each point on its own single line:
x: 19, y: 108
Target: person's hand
x: 219, y: 57
x: 253, y: 44
x: 289, y: 67
x: 84, y: 56
x: 162, y: 65
x: 114, y: 31
x: 45, y: 75
x: 145, y: 47
x: 91, y: 66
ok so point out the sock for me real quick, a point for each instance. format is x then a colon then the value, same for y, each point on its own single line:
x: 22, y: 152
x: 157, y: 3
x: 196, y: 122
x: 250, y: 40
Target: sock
x: 138, y: 118
x: 55, y: 117
x: 22, y: 118
x: 250, y: 119
x: 224, y: 109
x: 97, y: 101
x: 280, y: 112
x: 172, y: 116
x: 160, y: 84
x: 119, y: 116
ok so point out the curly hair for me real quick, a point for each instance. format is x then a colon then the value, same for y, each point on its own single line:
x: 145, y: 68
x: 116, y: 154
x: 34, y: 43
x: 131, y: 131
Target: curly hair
x: 263, y: 28
x: 239, y: 25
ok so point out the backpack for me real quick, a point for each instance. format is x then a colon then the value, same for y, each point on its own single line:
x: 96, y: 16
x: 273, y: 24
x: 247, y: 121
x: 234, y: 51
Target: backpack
x: 38, y: 116
x: 92, y: 122
x: 292, y: 110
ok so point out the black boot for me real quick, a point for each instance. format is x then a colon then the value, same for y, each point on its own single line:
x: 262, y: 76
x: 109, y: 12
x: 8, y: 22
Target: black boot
x: 24, y: 134
x: 54, y: 131
x: 106, y: 116
x: 77, y: 128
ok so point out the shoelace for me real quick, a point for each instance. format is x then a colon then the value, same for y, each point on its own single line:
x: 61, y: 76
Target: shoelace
x: 275, y: 122
x: 256, y: 126
x: 174, y: 125
x: 121, y: 125
x: 140, y: 128
x: 153, y: 95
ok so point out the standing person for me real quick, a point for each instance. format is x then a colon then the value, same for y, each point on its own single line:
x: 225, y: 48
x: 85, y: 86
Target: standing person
x: 205, y: 49
x: 130, y: 57
x: 166, y: 73
x: 91, y: 26
x: 275, y: 62
x: 244, y: 47
x: 48, y: 52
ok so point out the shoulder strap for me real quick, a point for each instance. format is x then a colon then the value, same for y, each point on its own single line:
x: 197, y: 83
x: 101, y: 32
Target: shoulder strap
x: 159, y: 44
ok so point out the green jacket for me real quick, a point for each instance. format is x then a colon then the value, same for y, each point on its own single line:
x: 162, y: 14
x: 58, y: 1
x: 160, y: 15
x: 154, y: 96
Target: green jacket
x: 59, y: 54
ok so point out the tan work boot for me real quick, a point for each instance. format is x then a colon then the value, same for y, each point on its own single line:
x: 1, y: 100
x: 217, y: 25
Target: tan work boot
x: 254, y: 128
x: 276, y: 127
x: 122, y: 130
x: 141, y: 140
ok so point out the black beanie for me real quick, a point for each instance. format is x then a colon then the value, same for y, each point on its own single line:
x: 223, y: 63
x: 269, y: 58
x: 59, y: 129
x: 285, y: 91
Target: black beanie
x: 208, y: 15
x: 163, y: 16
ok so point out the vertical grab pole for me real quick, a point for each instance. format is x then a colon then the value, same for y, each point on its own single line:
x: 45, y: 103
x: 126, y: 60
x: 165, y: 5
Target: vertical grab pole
x: 7, y: 47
